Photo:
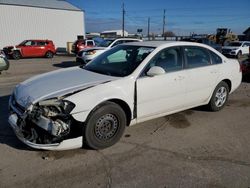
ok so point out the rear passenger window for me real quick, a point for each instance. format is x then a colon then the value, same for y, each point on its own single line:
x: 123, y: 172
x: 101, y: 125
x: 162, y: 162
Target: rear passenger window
x: 215, y: 58
x: 196, y: 57
x: 41, y: 43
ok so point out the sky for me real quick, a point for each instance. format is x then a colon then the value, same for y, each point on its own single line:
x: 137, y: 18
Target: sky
x: 182, y: 17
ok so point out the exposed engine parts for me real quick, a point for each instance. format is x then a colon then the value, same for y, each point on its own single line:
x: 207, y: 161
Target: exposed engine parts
x: 48, y: 121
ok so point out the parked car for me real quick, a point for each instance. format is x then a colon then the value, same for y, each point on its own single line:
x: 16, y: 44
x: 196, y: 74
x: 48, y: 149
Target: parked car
x: 4, y: 63
x: 236, y: 49
x: 206, y: 41
x: 245, y: 66
x: 125, y: 85
x: 81, y: 44
x: 87, y: 55
x: 211, y: 43
x: 31, y: 48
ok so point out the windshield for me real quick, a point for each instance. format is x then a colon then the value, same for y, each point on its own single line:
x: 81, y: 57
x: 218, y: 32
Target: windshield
x: 120, y: 61
x: 234, y: 44
x: 105, y: 43
x: 22, y: 43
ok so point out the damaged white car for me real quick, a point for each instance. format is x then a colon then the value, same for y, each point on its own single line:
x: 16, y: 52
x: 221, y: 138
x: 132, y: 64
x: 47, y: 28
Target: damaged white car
x: 127, y: 84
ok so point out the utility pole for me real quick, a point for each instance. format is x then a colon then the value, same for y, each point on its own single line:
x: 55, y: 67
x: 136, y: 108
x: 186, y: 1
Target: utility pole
x: 148, y: 27
x: 164, y: 23
x: 123, y: 17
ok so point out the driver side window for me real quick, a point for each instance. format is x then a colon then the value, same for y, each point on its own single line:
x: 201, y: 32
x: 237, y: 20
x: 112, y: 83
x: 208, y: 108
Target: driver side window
x: 169, y: 59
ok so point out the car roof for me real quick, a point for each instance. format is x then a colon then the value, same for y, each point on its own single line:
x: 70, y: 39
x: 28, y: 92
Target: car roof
x: 38, y: 40
x: 163, y: 43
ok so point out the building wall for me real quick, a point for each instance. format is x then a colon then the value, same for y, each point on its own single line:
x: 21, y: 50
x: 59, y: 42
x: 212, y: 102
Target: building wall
x: 18, y: 23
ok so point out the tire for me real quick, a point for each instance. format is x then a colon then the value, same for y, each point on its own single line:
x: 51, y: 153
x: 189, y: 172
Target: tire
x: 104, y: 126
x: 49, y: 54
x: 16, y: 55
x: 239, y: 54
x: 219, y: 97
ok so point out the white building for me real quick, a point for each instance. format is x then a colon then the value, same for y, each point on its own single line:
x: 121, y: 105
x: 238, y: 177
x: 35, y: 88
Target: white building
x: 113, y: 34
x: 56, y: 20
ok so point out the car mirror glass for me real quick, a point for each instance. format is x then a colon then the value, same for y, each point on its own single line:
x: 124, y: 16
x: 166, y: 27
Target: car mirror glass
x: 155, y: 70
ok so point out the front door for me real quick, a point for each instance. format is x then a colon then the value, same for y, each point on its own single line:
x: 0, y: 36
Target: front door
x: 164, y: 93
x: 28, y: 49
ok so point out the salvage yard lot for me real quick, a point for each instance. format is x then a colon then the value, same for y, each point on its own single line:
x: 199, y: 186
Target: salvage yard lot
x: 194, y: 148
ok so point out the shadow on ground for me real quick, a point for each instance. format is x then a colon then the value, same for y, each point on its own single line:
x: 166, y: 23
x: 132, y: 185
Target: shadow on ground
x: 7, y: 135
x: 66, y: 64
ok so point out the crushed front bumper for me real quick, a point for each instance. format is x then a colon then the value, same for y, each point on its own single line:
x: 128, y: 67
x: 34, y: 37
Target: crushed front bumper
x: 64, y: 145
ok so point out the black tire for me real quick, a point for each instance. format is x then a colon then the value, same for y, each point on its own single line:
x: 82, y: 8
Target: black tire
x: 16, y: 55
x: 49, y: 54
x: 239, y: 54
x: 104, y: 126
x: 219, y: 97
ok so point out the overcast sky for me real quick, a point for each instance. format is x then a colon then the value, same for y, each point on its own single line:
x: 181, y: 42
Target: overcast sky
x: 182, y: 17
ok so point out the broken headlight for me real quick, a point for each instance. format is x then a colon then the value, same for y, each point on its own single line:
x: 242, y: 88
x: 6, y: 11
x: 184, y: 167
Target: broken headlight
x: 53, y: 115
x: 54, y: 107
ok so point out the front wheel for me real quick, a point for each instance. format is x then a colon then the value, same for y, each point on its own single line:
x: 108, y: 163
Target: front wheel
x: 219, y: 97
x: 16, y: 55
x: 105, y: 126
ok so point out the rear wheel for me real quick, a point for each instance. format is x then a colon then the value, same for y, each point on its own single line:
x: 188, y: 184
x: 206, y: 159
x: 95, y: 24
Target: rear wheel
x: 16, y: 55
x: 219, y: 97
x: 104, y: 126
x: 49, y: 54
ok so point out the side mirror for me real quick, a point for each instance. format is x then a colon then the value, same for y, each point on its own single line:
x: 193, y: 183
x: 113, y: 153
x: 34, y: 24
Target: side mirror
x: 155, y: 70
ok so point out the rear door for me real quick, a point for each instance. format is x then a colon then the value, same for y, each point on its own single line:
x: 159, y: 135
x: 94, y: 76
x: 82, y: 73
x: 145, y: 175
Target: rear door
x: 40, y: 48
x: 202, y: 73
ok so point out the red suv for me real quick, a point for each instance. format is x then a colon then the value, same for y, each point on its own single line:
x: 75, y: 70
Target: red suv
x: 81, y: 44
x: 31, y: 48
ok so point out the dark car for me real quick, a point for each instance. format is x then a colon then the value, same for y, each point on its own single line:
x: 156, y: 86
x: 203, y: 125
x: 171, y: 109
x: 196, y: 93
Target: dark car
x: 31, y: 48
x: 245, y: 67
x: 204, y: 40
x: 4, y: 63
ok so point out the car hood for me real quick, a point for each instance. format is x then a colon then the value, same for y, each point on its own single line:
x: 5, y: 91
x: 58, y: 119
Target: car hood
x: 57, y: 83
x: 95, y: 48
x: 9, y: 46
x: 230, y: 47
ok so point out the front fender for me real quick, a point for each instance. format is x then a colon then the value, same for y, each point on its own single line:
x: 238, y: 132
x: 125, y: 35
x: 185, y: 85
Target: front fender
x: 88, y: 99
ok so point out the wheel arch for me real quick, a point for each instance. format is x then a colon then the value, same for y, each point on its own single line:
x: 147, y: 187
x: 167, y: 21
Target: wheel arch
x: 229, y: 83
x: 124, y: 106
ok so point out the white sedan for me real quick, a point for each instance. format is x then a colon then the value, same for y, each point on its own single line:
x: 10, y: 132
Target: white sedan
x: 88, y: 54
x: 125, y: 85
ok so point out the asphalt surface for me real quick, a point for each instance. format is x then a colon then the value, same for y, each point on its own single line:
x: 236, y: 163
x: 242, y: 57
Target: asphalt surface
x: 194, y: 148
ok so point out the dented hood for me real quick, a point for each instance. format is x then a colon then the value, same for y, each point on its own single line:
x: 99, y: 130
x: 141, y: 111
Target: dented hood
x: 57, y: 83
